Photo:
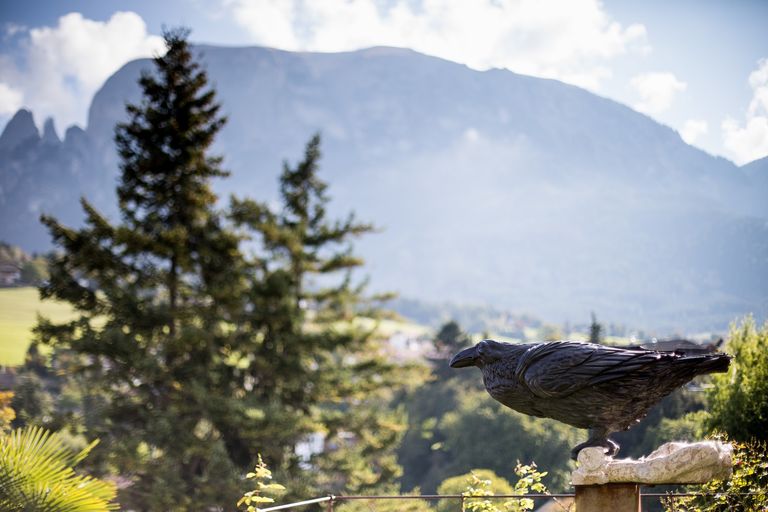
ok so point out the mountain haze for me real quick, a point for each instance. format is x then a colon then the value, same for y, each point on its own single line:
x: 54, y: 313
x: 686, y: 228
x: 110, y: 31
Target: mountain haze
x: 489, y: 187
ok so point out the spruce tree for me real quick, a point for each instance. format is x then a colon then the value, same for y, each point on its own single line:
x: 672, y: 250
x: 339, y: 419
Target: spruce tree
x: 199, y: 358
x: 316, y: 366
x: 154, y: 294
x: 595, y: 330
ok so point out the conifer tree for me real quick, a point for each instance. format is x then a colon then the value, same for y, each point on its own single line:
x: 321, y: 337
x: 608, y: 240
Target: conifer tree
x: 595, y: 330
x: 154, y: 293
x: 199, y: 358
x: 324, y: 369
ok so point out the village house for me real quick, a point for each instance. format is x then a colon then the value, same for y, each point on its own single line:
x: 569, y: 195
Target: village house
x: 10, y: 274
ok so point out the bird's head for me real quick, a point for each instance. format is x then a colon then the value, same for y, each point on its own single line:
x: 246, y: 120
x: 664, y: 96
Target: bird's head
x: 485, y: 352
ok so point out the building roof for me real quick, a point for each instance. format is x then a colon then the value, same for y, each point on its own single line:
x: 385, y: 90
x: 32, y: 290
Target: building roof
x: 6, y: 266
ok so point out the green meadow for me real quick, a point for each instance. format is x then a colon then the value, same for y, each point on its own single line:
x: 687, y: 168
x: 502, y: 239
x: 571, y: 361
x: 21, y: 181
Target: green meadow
x: 19, y: 308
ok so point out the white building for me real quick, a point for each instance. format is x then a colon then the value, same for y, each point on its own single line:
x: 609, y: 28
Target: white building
x: 10, y: 274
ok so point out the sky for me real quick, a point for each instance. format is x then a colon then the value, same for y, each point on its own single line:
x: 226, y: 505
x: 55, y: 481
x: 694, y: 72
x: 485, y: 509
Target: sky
x: 699, y: 66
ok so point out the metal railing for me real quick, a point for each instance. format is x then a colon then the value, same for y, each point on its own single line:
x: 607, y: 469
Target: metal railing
x: 462, y: 500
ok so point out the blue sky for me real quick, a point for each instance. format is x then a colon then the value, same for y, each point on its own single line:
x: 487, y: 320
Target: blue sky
x: 700, y: 67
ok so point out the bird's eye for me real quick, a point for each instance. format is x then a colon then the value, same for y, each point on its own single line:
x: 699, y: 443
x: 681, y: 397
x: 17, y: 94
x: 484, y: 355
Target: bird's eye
x: 482, y: 347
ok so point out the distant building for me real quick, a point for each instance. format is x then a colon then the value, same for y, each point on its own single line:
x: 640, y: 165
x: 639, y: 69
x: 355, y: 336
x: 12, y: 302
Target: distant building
x: 405, y: 346
x: 7, y: 378
x: 10, y: 274
x: 310, y: 445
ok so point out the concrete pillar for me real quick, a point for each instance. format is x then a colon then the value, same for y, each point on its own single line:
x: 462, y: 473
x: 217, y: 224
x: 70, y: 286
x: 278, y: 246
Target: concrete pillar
x: 618, y: 497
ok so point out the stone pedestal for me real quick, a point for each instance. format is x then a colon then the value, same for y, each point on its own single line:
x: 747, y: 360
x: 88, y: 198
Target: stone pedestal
x: 609, y: 497
x: 603, y: 483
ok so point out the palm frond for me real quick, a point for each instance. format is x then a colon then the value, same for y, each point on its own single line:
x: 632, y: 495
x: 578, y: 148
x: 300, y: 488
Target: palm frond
x: 36, y: 473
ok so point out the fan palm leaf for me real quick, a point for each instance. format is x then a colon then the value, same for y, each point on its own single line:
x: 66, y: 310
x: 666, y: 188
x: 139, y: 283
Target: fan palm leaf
x: 36, y: 474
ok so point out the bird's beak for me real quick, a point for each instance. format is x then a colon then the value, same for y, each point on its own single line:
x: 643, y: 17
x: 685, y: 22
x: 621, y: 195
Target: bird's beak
x: 464, y: 358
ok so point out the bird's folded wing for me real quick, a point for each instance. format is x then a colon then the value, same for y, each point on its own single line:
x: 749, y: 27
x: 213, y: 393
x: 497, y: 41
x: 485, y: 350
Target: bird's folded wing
x: 556, y: 370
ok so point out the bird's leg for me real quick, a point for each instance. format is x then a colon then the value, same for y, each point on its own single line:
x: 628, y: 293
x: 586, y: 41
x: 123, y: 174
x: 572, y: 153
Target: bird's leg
x: 597, y: 437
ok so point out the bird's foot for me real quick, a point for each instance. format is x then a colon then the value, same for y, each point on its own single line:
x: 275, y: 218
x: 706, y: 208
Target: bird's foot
x: 611, y: 448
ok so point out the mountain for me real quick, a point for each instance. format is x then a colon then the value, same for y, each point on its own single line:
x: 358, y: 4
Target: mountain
x: 489, y: 187
x: 757, y: 172
x: 20, y: 131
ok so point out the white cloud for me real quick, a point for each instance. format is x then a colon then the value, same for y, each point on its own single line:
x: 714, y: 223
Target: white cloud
x: 657, y: 91
x: 758, y: 80
x: 10, y: 100
x: 750, y: 141
x: 693, y: 129
x: 65, y: 65
x: 571, y: 40
x: 471, y: 135
x: 11, y: 29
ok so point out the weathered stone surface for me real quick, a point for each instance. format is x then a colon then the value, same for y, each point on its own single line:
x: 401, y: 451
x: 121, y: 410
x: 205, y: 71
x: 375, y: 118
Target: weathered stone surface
x: 672, y: 463
x: 614, y: 497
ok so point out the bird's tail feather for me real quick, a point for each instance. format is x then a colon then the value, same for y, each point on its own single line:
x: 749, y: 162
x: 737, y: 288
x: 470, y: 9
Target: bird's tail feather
x: 709, y: 363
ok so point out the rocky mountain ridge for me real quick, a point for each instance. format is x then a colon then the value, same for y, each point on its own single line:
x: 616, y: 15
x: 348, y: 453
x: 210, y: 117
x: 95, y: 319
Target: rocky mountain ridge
x: 490, y: 187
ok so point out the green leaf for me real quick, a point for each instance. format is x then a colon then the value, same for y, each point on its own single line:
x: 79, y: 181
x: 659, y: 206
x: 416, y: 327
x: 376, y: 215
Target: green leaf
x: 36, y: 473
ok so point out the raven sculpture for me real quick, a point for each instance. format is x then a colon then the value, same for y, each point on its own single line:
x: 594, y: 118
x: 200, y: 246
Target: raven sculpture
x: 600, y: 388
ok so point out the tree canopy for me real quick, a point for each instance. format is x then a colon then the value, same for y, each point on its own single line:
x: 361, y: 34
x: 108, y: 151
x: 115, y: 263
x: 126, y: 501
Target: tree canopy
x: 738, y: 399
x: 207, y: 335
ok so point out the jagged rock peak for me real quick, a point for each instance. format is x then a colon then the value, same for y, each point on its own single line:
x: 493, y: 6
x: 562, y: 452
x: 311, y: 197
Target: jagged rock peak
x: 49, y: 132
x: 19, y: 129
x: 75, y: 136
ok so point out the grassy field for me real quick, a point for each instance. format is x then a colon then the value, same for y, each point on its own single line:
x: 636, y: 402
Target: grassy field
x: 19, y: 308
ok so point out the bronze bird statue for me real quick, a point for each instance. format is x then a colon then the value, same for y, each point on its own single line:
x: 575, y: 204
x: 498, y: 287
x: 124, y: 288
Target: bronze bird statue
x: 600, y: 388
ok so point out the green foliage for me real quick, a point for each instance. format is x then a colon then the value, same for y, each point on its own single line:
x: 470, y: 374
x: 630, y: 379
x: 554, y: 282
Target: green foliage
x: 689, y: 427
x: 52, y: 392
x: 362, y: 459
x: 7, y: 414
x: 454, y: 425
x: 482, y: 432
x: 746, y: 491
x: 478, y: 482
x: 36, y: 474
x: 194, y: 356
x: 595, y: 331
x: 32, y: 401
x: 153, y: 296
x: 738, y: 400
x: 422, y: 451
x: 262, y: 476
x: 450, y: 339
x: 34, y: 271
x: 380, y: 505
x: 325, y: 373
x: 481, y: 483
